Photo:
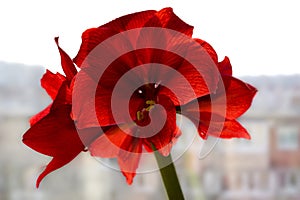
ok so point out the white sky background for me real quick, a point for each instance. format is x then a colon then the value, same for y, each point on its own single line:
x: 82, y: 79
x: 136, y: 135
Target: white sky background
x: 261, y: 37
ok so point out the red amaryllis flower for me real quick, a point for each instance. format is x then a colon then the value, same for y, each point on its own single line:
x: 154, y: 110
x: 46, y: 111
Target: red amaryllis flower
x: 232, y: 99
x: 52, y: 131
x: 136, y: 73
x: 136, y: 93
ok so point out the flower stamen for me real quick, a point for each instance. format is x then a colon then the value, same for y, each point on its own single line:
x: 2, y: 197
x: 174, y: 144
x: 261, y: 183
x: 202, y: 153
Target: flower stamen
x: 140, y: 114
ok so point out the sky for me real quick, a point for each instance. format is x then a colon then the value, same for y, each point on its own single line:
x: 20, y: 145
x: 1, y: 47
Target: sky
x: 261, y: 37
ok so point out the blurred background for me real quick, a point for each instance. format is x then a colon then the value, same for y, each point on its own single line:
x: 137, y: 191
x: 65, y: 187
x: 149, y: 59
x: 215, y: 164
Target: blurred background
x: 265, y: 167
x: 261, y: 39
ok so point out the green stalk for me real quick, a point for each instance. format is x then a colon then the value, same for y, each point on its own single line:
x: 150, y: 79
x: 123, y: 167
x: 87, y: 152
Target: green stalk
x: 169, y: 176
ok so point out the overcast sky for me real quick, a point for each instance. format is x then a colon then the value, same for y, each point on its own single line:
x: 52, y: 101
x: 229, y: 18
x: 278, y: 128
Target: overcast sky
x: 259, y: 36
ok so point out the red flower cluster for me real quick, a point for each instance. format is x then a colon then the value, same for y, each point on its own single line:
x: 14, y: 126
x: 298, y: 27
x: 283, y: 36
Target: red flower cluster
x: 88, y: 112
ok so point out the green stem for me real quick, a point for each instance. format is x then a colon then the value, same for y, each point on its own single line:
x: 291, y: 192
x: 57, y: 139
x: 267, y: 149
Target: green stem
x: 169, y: 176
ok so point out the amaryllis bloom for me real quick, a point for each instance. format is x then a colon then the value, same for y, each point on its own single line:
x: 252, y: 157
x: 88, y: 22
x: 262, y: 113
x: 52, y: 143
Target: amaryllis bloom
x: 222, y: 122
x: 136, y: 73
x: 53, y: 131
x: 138, y: 94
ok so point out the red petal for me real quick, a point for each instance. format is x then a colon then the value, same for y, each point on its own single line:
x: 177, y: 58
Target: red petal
x: 36, y: 118
x: 209, y: 49
x: 90, y: 39
x: 98, y: 112
x: 52, y: 82
x: 164, y: 19
x: 129, y: 160
x: 191, y: 84
x: 231, y: 100
x: 92, y: 93
x: 83, y: 102
x: 164, y: 139
x: 89, y: 135
x: 204, y: 121
x: 231, y: 129
x: 217, y: 126
x: 131, y: 21
x: 55, y: 163
x: 63, y: 97
x: 112, y: 141
x: 66, y: 62
x: 55, y: 134
x: 211, y: 124
x: 167, y: 19
x: 104, y: 147
x: 92, y: 101
x: 184, y: 80
x: 93, y: 37
x: 225, y: 67
x: 189, y: 81
x: 117, y: 143
x: 239, y: 97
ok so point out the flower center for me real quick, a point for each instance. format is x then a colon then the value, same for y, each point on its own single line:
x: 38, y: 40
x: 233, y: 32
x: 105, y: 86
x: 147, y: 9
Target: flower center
x: 143, y: 118
x: 148, y: 94
x: 141, y: 114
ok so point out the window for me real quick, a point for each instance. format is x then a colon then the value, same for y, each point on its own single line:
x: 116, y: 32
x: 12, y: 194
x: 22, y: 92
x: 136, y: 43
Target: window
x: 288, y: 138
